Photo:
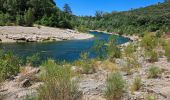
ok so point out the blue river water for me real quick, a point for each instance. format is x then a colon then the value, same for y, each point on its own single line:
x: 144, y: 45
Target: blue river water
x: 59, y: 51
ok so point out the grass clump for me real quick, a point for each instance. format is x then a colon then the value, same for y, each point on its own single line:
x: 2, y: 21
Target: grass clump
x: 58, y: 84
x: 136, y: 84
x: 154, y: 72
x: 33, y: 60
x: 115, y: 87
x: 87, y: 65
x: 167, y: 52
x: 9, y: 65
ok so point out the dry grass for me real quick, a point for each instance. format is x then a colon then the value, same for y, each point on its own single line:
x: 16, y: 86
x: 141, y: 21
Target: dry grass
x: 108, y: 65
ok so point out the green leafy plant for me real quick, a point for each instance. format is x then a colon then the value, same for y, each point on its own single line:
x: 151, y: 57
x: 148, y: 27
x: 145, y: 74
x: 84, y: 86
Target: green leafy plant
x: 115, y: 87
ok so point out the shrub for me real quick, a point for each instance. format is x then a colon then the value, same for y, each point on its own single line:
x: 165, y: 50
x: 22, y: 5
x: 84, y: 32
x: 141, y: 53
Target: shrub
x: 153, y: 56
x: 129, y: 50
x: 9, y: 65
x: 19, y: 20
x: 136, y: 84
x: 113, y: 51
x: 29, y: 17
x: 87, y: 65
x: 57, y: 83
x: 100, y: 49
x: 33, y: 60
x: 149, y: 42
x: 154, y: 72
x: 115, y: 87
x: 167, y: 52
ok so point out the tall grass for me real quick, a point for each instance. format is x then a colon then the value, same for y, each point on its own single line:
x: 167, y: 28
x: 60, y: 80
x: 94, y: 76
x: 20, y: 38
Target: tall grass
x: 154, y: 72
x: 115, y: 87
x: 57, y: 83
x: 9, y: 65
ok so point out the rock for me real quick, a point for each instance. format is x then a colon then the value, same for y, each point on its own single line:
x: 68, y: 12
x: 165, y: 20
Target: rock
x: 29, y: 73
x: 76, y: 69
x: 25, y: 83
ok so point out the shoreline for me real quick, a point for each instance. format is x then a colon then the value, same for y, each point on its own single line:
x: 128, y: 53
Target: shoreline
x: 12, y: 34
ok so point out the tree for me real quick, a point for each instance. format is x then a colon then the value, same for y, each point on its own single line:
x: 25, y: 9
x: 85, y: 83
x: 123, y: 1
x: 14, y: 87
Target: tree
x: 67, y: 9
x: 99, y: 14
x: 29, y: 17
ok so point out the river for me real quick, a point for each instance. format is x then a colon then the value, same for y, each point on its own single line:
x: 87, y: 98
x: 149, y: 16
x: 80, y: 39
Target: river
x: 59, y: 51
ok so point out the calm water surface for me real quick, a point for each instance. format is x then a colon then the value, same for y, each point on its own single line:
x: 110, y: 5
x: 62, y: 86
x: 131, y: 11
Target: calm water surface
x: 63, y: 50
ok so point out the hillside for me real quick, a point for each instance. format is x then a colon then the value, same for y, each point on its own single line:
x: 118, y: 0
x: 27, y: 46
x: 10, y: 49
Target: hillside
x: 151, y: 18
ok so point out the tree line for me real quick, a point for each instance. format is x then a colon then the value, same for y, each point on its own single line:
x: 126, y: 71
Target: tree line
x: 27, y: 12
x: 45, y: 12
x: 152, y: 18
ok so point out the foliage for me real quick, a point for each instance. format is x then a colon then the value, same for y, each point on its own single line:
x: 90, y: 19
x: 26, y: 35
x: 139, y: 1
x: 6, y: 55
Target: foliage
x: 9, y: 65
x: 129, y: 50
x: 149, y: 42
x: 28, y: 12
x: 167, y: 52
x: 57, y: 83
x: 86, y: 64
x: 135, y: 21
x: 154, y: 72
x: 115, y: 87
x: 67, y: 9
x: 153, y: 56
x: 113, y: 51
x: 100, y: 48
x: 29, y: 17
x: 33, y: 60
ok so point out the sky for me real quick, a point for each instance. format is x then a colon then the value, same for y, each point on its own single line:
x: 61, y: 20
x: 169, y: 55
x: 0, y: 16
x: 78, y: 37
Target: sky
x: 89, y: 7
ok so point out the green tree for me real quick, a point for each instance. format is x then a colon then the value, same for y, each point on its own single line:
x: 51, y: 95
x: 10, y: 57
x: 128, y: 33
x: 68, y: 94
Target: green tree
x: 29, y: 17
x: 67, y: 9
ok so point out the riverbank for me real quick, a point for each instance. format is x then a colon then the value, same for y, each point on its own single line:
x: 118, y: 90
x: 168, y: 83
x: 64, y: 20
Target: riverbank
x: 39, y: 34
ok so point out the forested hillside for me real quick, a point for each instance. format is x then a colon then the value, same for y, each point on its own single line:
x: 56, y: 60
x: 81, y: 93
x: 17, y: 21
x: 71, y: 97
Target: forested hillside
x: 27, y: 12
x: 45, y: 12
x: 152, y: 18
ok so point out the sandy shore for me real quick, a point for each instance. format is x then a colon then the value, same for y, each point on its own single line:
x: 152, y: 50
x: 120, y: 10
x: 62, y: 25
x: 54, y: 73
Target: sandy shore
x: 39, y: 34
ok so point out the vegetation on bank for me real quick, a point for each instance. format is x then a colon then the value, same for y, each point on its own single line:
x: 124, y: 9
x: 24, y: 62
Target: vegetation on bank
x: 135, y: 21
x: 28, y: 12
x: 45, y: 12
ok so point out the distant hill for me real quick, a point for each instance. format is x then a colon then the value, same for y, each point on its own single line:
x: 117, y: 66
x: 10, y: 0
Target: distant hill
x: 151, y: 18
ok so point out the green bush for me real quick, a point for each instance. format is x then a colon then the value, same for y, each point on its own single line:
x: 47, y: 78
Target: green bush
x: 154, y: 72
x: 149, y: 42
x: 9, y: 65
x: 29, y: 17
x: 58, y: 84
x: 19, y: 20
x: 113, y: 51
x: 136, y: 84
x: 115, y: 87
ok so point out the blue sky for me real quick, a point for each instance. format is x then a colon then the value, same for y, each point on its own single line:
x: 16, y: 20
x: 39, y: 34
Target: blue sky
x: 88, y: 7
